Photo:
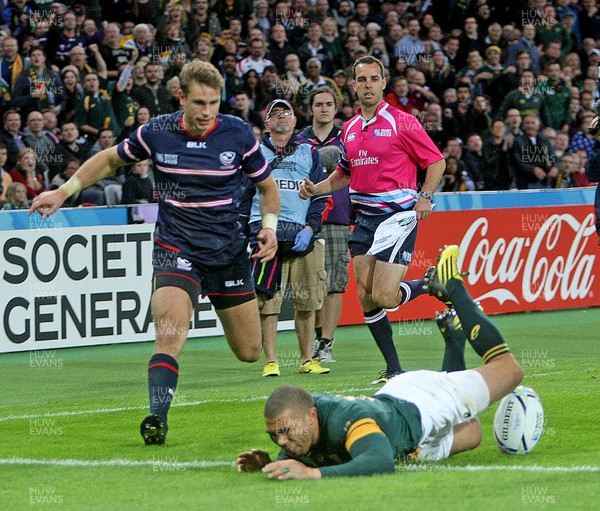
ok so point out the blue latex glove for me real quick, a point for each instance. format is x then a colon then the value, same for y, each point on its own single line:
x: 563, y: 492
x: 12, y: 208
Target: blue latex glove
x: 302, y: 240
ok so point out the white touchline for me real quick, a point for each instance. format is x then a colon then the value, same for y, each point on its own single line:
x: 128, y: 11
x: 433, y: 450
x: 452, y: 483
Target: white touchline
x: 144, y: 407
x: 116, y: 463
x: 424, y: 467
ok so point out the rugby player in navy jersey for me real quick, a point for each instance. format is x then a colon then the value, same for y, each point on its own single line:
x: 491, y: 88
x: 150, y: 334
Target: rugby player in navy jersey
x: 200, y: 158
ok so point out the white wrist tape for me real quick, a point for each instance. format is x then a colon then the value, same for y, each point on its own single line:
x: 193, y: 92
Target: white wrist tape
x: 71, y: 187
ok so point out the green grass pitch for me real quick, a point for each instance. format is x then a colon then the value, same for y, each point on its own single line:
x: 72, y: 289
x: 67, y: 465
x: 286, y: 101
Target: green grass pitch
x: 69, y: 427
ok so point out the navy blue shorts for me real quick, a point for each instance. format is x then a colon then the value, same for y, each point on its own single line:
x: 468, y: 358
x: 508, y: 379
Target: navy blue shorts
x: 390, y: 238
x: 225, y: 286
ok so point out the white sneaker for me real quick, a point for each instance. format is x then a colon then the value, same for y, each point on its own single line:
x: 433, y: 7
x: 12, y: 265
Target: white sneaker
x: 325, y: 353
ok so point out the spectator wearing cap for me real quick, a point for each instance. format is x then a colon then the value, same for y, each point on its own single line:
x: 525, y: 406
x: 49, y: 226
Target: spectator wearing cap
x: 37, y: 88
x: 314, y: 48
x: 411, y: 45
x: 301, y: 256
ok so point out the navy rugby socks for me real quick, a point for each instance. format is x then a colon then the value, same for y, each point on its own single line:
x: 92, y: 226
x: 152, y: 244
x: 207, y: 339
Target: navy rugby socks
x: 381, y: 329
x: 411, y: 289
x: 163, y: 372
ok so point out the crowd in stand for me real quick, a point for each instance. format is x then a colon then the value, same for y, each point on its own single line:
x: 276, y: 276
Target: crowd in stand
x: 505, y: 88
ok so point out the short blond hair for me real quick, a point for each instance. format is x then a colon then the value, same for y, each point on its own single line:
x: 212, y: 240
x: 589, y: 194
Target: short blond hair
x: 203, y: 73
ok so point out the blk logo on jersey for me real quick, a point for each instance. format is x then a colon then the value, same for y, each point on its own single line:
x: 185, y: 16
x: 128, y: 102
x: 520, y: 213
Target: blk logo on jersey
x: 196, y: 145
x: 226, y: 158
x: 234, y: 283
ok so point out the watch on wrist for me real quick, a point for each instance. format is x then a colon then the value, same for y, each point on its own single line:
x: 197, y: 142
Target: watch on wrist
x: 425, y: 195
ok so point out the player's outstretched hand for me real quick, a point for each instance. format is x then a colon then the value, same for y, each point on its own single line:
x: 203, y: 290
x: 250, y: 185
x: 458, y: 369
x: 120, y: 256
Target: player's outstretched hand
x: 291, y: 469
x: 307, y: 189
x: 48, y: 202
x: 252, y: 461
x: 267, y: 245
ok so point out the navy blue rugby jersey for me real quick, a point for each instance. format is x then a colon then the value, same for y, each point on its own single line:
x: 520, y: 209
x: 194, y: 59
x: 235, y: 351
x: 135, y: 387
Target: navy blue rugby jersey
x: 198, y: 181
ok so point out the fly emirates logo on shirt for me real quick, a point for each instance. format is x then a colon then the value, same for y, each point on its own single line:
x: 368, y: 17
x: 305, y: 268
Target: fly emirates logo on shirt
x: 364, y: 159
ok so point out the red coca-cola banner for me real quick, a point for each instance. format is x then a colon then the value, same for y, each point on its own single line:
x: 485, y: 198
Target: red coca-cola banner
x: 518, y: 259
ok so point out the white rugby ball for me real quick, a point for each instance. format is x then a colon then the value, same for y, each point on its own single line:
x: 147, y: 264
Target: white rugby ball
x: 519, y: 421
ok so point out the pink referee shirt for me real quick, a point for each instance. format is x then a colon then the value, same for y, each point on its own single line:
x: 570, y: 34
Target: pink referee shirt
x: 381, y: 158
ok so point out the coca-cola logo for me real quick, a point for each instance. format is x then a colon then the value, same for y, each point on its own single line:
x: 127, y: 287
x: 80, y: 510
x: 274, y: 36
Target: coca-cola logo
x: 547, y: 269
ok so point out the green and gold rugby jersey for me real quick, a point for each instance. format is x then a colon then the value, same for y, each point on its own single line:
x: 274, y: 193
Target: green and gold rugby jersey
x: 360, y: 435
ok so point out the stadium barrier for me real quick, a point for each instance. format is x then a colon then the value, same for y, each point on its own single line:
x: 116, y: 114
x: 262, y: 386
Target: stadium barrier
x: 82, y: 277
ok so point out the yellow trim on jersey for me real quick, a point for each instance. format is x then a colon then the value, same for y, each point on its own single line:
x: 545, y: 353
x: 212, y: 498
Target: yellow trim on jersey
x: 360, y: 429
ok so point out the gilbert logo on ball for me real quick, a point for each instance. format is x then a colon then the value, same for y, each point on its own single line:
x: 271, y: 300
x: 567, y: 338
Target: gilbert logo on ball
x: 519, y: 421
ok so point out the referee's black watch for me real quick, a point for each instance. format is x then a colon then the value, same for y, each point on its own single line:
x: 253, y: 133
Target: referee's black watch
x: 426, y: 195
